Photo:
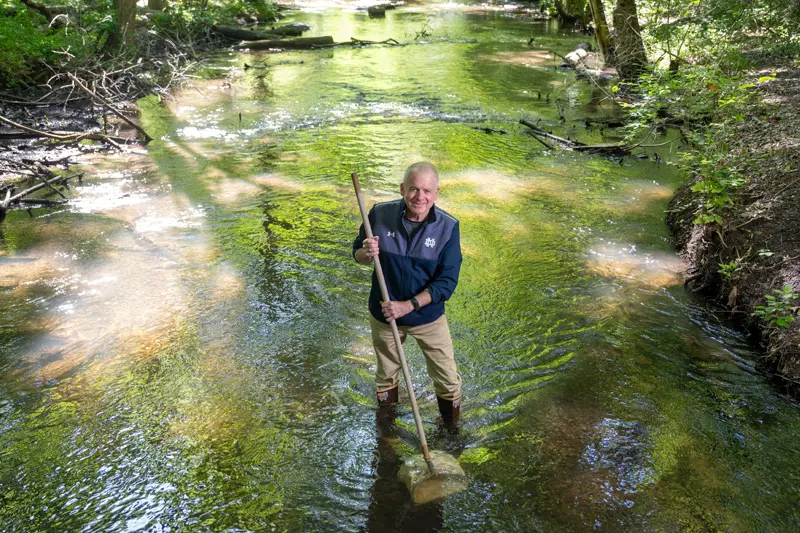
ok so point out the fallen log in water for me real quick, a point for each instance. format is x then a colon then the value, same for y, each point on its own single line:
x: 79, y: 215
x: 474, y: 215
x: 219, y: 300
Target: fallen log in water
x: 361, y: 42
x: 230, y: 32
x: 298, y: 43
x: 608, y: 149
x: 295, y: 29
x: 379, y: 11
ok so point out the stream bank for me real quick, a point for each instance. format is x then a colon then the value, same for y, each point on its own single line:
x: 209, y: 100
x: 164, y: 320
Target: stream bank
x: 755, y: 251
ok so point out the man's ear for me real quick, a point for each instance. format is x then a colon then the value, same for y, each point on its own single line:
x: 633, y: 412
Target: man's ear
x: 402, y: 189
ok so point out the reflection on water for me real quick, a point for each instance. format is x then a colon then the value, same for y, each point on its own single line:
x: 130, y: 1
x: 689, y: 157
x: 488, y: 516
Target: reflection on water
x: 185, y: 348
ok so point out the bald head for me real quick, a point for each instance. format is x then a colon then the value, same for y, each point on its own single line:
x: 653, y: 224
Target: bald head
x: 420, y: 167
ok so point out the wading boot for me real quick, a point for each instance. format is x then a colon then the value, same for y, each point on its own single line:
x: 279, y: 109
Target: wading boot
x: 385, y: 417
x: 389, y: 397
x: 450, y: 410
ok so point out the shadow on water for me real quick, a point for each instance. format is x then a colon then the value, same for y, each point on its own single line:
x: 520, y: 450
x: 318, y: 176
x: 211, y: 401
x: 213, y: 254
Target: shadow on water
x: 391, y: 509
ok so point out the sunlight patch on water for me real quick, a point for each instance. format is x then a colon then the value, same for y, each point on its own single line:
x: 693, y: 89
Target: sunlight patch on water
x: 209, y: 132
x: 318, y: 116
x: 227, y: 284
x: 466, y: 8
x: 528, y: 58
x: 637, y: 197
x: 188, y: 102
x: 104, y: 196
x: 613, y: 260
x: 276, y: 181
x: 158, y: 224
x: 489, y: 184
x: 233, y: 192
x: 360, y: 351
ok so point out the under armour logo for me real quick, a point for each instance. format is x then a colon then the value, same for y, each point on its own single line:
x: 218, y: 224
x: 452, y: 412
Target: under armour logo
x: 390, y: 234
x: 430, y: 243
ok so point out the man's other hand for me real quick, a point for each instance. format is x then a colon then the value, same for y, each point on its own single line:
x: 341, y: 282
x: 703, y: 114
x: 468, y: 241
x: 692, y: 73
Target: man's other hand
x: 371, y: 246
x: 394, y: 310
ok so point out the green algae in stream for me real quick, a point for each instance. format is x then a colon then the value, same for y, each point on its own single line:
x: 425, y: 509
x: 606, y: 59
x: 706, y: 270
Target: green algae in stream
x: 201, y: 435
x: 595, y: 400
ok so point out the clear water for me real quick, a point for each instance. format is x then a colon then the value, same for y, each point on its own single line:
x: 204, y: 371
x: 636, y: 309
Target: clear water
x: 186, y: 347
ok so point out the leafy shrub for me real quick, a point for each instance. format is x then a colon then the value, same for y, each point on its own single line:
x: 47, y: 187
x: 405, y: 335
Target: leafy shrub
x: 26, y: 40
x: 779, y: 311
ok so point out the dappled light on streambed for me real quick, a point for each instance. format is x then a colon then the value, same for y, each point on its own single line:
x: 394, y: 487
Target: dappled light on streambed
x: 185, y: 346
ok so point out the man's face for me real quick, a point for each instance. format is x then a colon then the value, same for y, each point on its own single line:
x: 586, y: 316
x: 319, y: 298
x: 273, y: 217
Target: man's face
x: 419, y: 193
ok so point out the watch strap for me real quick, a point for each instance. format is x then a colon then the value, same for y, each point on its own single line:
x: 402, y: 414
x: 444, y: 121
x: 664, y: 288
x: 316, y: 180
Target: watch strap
x: 415, y: 303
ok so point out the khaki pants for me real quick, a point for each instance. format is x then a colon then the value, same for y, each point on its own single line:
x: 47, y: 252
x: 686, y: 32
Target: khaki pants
x: 434, y: 341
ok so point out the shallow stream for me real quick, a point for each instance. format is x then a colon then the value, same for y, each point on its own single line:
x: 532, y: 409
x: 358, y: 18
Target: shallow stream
x: 186, y: 346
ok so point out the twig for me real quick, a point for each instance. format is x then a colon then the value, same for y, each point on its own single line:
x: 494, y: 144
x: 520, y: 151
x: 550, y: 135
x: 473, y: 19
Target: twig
x: 387, y: 41
x: 48, y: 172
x: 657, y: 145
x: 35, y: 188
x: 42, y: 202
x: 651, y: 132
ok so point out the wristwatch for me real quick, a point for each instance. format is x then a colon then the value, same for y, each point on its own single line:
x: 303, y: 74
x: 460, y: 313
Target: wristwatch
x: 415, y: 303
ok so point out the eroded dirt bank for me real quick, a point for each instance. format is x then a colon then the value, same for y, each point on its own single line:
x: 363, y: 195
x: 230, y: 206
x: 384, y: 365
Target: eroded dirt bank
x: 756, y: 249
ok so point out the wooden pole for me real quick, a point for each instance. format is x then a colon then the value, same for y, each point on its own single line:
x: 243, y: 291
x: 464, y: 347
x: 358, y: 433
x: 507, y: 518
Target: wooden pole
x: 385, y: 295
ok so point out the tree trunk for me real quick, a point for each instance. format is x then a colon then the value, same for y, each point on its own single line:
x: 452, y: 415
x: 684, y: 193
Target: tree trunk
x: 46, y: 13
x: 126, y: 24
x: 631, y: 57
x: 601, y: 32
x: 156, y: 5
x: 579, y: 8
x: 565, y: 16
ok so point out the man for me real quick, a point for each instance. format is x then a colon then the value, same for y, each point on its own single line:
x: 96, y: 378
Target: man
x: 421, y: 257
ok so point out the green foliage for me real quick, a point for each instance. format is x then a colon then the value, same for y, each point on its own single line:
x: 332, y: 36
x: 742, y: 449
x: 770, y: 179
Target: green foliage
x: 28, y: 42
x: 701, y: 51
x: 779, y: 311
x: 727, y: 270
x: 689, y: 29
x: 26, y: 39
x: 711, y: 99
x: 186, y: 14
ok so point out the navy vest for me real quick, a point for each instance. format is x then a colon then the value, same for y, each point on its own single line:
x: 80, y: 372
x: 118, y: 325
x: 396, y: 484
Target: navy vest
x: 431, y: 261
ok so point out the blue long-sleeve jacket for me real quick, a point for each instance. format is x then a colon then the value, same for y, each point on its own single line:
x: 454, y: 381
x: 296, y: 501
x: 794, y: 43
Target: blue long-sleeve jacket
x: 432, y: 261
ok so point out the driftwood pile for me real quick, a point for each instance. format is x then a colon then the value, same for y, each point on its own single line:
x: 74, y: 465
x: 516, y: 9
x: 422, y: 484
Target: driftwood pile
x: 23, y: 180
x: 94, y: 96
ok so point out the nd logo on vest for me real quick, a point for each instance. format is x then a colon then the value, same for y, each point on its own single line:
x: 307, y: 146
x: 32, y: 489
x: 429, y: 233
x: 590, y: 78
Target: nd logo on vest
x: 430, y: 243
